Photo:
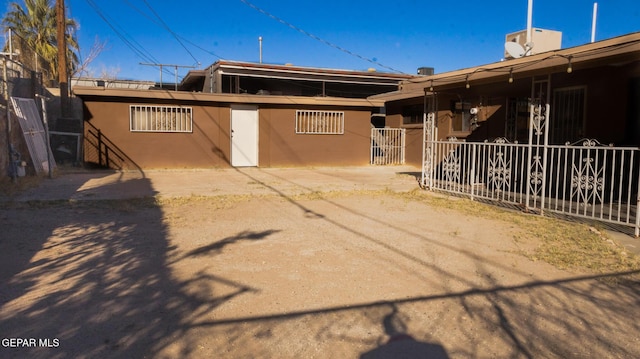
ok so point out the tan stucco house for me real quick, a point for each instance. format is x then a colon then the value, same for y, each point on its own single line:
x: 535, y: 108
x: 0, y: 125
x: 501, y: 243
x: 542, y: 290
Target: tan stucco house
x: 593, y: 91
x: 237, y: 114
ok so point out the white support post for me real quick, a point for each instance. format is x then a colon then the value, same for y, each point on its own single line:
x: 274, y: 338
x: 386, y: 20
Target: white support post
x: 637, y: 228
x: 545, y: 128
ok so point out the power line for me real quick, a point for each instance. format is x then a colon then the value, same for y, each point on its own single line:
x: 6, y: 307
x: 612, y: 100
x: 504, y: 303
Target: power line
x: 201, y: 48
x: 170, y: 31
x: 123, y: 35
x: 175, y: 34
x: 128, y: 40
x: 318, y: 38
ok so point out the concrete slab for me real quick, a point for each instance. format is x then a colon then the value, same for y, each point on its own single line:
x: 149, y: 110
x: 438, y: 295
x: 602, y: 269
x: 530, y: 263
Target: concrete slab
x: 88, y: 185
x: 100, y: 185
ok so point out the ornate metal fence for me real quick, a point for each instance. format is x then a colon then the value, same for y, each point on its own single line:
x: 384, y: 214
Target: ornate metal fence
x: 387, y: 146
x: 583, y: 179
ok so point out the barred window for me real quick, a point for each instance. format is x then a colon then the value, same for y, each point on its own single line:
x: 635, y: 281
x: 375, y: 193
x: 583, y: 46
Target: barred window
x: 145, y: 118
x: 320, y: 122
x: 568, y: 115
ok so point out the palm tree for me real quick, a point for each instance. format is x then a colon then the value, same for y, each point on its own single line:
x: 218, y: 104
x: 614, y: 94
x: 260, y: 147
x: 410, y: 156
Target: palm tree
x: 35, y: 26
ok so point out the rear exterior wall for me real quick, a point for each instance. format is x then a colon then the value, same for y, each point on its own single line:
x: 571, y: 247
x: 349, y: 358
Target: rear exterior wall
x: 280, y: 146
x: 209, y: 145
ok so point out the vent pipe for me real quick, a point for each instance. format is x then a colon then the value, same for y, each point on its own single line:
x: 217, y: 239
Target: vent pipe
x: 593, y: 22
x: 529, y: 20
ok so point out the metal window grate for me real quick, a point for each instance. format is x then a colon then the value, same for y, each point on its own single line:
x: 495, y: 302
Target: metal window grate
x: 568, y: 115
x: 320, y: 122
x: 145, y: 118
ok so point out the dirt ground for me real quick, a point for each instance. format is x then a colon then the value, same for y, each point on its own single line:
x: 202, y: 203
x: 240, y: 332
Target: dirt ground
x: 312, y: 263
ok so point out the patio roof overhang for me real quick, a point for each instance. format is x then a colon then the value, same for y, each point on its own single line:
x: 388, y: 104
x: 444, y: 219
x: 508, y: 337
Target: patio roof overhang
x: 181, y: 96
x: 290, y: 72
x: 612, y: 52
x: 398, y: 95
x: 193, y: 77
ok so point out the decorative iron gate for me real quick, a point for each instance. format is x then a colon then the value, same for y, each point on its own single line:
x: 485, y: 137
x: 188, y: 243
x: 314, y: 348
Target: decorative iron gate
x: 387, y: 146
x: 583, y: 179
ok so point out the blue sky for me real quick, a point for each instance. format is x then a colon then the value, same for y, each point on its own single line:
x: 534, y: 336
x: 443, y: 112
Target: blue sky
x: 401, y: 34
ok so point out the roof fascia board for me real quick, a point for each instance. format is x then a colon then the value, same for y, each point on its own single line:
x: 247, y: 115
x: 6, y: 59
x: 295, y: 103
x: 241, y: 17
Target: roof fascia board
x: 551, y: 60
x: 397, y: 95
x: 311, y: 77
x: 311, y: 71
x: 165, y: 95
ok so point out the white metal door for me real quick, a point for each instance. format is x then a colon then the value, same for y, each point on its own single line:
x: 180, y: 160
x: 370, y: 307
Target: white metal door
x: 244, y: 136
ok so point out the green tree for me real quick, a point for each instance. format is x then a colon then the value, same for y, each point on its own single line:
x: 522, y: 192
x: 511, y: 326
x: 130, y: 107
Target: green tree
x: 35, y: 27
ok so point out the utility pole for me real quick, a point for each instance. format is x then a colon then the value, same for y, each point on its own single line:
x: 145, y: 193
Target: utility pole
x: 62, y: 59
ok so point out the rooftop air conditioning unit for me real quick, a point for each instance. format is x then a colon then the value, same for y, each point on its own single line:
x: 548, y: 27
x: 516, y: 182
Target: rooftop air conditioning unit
x: 541, y: 41
x: 425, y: 71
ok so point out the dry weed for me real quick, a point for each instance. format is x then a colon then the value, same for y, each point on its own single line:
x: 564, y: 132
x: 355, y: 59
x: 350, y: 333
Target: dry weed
x: 566, y: 245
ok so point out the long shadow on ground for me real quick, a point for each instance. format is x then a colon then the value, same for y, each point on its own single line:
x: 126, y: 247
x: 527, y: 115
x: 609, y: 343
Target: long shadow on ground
x: 91, y: 279
x: 97, y: 276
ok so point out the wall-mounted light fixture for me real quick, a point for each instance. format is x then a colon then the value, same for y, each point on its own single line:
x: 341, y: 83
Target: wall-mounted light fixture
x: 467, y: 85
x: 431, y: 86
x: 569, y: 68
x: 511, y: 75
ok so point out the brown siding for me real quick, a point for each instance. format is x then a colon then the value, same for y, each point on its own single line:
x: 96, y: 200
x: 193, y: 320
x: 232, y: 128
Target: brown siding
x: 281, y: 146
x: 413, y: 151
x: 606, y: 106
x: 393, y: 120
x: 209, y: 144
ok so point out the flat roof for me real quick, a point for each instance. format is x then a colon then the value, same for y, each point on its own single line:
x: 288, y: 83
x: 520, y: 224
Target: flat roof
x: 252, y: 69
